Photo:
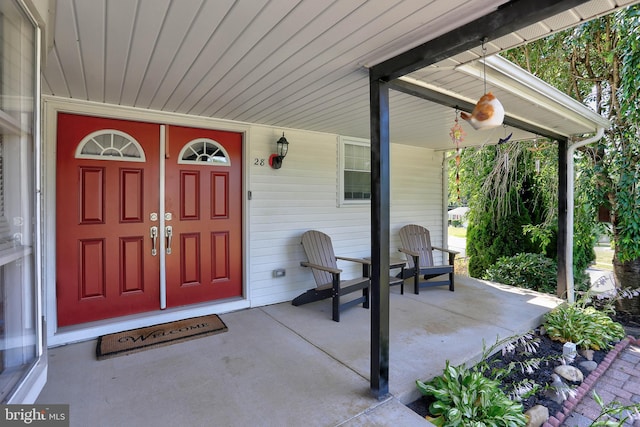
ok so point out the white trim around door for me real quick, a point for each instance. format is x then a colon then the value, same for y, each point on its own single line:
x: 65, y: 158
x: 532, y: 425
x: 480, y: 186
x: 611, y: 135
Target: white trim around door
x: 60, y: 336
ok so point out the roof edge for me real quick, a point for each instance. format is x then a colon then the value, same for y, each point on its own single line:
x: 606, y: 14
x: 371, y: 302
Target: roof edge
x: 515, y: 79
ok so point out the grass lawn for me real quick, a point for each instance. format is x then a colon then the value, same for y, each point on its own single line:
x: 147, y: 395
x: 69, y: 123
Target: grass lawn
x: 604, y: 257
x: 457, y: 231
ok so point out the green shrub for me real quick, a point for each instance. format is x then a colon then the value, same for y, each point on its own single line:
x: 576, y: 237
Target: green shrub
x: 491, y: 236
x: 524, y: 270
x: 456, y: 223
x: 583, y: 325
x: 532, y: 271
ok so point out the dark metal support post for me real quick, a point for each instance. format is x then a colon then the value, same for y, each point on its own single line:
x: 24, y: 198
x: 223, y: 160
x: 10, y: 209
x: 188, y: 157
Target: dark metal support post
x: 380, y: 223
x: 511, y: 16
x: 561, y: 290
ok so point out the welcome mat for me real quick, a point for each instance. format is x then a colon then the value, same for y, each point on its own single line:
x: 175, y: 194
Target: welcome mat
x: 136, y: 340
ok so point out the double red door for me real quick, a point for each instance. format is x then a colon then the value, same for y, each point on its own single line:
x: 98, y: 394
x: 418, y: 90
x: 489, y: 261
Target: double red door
x: 148, y: 216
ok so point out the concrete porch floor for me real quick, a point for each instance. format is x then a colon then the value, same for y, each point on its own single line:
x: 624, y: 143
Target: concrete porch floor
x: 282, y: 365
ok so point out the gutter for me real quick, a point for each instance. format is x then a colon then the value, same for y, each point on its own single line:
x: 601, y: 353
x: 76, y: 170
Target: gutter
x: 570, y: 207
x: 504, y: 74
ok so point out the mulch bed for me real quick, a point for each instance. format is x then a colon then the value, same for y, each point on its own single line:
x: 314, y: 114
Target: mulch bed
x: 630, y: 322
x: 542, y: 376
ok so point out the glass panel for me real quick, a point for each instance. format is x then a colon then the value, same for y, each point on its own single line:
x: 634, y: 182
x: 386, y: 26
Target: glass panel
x: 18, y: 335
x: 204, y: 150
x: 107, y: 144
x: 357, y: 157
x: 5, y: 234
x: 357, y: 185
x: 357, y: 175
x: 17, y: 70
x: 19, y: 329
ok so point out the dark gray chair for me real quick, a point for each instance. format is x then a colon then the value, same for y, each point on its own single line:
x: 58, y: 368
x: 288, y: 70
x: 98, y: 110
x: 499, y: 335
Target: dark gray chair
x: 416, y: 245
x: 323, y: 263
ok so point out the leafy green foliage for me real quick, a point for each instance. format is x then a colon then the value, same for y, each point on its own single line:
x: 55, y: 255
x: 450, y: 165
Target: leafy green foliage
x: 525, y: 270
x: 487, y: 243
x: 615, y: 414
x: 583, y: 325
x: 532, y: 271
x: 626, y: 166
x: 477, y: 396
x: 465, y: 397
x: 489, y: 238
x: 598, y: 63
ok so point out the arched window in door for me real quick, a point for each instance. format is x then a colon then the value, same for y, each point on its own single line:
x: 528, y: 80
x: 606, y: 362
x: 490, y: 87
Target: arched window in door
x: 110, y: 144
x: 204, y: 150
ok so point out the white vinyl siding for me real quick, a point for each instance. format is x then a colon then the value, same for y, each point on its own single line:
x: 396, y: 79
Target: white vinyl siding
x: 302, y: 195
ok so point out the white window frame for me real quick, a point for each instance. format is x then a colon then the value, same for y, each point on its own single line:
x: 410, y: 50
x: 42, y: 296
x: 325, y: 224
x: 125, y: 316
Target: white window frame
x: 111, y: 132
x: 212, y: 160
x: 342, y: 141
x: 25, y: 352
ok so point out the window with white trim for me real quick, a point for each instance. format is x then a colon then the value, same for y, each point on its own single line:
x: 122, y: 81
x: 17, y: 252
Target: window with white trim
x: 355, y: 171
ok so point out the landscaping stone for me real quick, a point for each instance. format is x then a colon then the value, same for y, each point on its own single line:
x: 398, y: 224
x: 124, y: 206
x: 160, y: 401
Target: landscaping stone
x: 589, y: 365
x: 537, y: 415
x: 570, y: 373
x: 587, y: 354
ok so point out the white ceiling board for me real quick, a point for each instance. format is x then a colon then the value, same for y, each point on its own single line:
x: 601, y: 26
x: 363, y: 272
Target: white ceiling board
x: 67, y: 58
x: 284, y: 63
x: 119, y: 30
x: 92, y: 47
x: 143, y: 43
x: 267, y: 53
x: 180, y: 17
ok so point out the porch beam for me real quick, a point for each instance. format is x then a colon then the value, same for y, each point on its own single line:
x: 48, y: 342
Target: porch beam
x: 380, y: 225
x: 506, y: 19
x: 454, y: 102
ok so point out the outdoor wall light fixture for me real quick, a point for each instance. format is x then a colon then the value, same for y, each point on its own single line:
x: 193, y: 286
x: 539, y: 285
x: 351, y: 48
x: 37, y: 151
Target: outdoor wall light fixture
x: 282, y: 146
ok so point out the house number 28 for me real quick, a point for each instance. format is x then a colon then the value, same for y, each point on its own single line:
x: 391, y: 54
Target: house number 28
x: 258, y: 162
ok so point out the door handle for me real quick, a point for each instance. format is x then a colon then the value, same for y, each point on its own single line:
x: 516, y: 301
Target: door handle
x: 154, y: 240
x: 168, y: 232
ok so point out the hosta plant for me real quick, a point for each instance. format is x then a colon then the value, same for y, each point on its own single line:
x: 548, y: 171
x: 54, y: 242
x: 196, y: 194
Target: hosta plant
x: 465, y: 397
x: 583, y: 325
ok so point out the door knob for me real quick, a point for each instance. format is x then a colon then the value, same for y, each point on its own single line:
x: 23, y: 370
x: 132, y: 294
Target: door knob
x: 168, y: 232
x: 154, y: 240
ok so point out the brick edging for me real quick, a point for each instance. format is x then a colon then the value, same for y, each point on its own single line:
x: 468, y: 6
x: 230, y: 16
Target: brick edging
x: 570, y: 404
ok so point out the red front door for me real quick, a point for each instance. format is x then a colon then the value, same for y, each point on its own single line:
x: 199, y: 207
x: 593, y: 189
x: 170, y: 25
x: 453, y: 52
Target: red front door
x: 111, y: 244
x: 204, y: 202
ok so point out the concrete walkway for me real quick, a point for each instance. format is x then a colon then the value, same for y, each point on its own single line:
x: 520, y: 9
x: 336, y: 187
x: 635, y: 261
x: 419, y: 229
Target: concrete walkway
x: 292, y: 366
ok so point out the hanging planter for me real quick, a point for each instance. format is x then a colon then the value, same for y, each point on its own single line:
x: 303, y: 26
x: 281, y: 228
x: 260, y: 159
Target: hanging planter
x: 487, y: 114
